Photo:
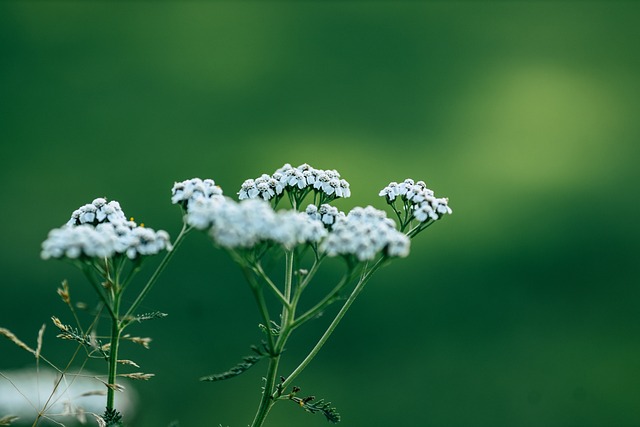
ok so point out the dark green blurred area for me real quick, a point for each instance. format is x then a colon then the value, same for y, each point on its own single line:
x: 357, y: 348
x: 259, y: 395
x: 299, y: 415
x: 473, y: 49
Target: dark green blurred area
x: 521, y: 309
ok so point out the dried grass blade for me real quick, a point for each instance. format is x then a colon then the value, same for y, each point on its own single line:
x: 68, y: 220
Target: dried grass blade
x: 14, y: 339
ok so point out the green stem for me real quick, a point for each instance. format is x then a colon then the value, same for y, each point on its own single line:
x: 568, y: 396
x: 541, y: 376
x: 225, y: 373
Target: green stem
x: 418, y: 228
x: 99, y: 290
x: 325, y: 302
x: 156, y: 274
x: 366, y: 275
x: 288, y: 281
x: 262, y: 306
x: 267, y: 401
x: 113, y: 351
x: 260, y: 271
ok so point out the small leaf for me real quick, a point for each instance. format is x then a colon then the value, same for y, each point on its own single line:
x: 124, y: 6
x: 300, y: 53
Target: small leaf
x: 247, y: 362
x: 149, y: 316
x: 112, y: 418
x: 310, y: 405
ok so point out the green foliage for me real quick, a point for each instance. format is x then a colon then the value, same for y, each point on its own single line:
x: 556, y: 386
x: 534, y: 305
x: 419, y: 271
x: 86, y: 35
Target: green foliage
x: 247, y: 362
x: 112, y: 418
x: 309, y: 404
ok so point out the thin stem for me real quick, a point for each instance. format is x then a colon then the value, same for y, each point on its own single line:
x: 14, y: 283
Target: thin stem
x: 418, y: 228
x: 267, y: 401
x: 325, y: 302
x: 183, y: 232
x: 312, y: 272
x: 272, y: 286
x: 98, y: 289
x: 113, y: 352
x: 288, y: 282
x: 364, y: 278
x: 262, y: 306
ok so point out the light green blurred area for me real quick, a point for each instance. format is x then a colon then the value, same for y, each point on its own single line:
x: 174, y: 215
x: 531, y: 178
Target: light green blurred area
x: 521, y: 309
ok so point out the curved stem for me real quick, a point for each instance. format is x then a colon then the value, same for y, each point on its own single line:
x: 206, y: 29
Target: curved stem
x: 262, y: 306
x: 156, y: 274
x: 366, y: 275
x: 272, y: 286
x: 325, y: 302
x: 418, y: 228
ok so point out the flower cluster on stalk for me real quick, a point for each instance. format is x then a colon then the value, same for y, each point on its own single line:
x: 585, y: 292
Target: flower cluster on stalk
x: 297, y: 182
x: 100, y: 230
x: 187, y: 192
x: 419, y: 202
x: 326, y: 214
x: 363, y: 233
x: 246, y: 223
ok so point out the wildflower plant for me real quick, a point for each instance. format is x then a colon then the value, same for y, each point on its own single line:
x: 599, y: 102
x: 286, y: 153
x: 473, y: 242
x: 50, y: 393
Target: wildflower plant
x: 255, y: 233
x: 110, y: 250
x: 280, y: 232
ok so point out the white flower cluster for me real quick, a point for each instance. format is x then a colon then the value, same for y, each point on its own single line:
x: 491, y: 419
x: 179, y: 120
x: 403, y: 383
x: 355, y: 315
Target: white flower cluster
x: 100, y: 230
x: 364, y: 233
x: 186, y: 192
x: 244, y: 224
x: 424, y: 204
x: 326, y: 213
x: 97, y: 212
x: 295, y: 179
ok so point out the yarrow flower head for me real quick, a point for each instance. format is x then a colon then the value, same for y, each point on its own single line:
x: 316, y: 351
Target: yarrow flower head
x: 186, y: 192
x: 326, y: 214
x: 246, y: 223
x: 297, y: 181
x: 420, y: 201
x: 101, y: 230
x: 364, y: 233
x: 97, y: 212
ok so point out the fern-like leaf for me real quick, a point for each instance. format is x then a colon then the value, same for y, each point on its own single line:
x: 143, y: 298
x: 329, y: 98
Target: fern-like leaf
x: 313, y: 406
x: 112, y: 418
x: 247, y: 362
x: 149, y: 316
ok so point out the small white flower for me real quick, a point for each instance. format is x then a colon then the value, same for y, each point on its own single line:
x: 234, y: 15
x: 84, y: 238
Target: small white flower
x: 422, y: 201
x: 291, y: 228
x: 277, y: 182
x: 265, y: 191
x: 364, y: 233
x: 101, y: 230
x: 97, y: 212
x: 312, y: 211
x: 424, y: 212
x: 310, y: 176
x: 346, y: 191
x: 296, y: 180
x: 185, y: 192
x: 142, y: 241
x: 248, y: 222
x: 328, y: 214
x: 202, y: 212
x: 75, y: 241
x: 88, y: 214
x: 442, y: 206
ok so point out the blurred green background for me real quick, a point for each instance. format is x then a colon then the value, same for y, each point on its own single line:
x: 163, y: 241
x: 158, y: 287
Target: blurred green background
x: 521, y: 309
